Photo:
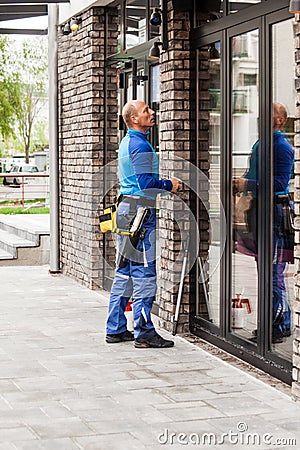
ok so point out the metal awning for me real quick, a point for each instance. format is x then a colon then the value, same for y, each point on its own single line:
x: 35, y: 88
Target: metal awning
x: 9, y: 12
x: 14, y: 10
x: 32, y: 2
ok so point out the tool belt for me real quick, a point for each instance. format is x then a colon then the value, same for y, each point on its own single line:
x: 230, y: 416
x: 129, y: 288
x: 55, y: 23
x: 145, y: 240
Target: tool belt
x: 135, y: 200
x: 283, y: 199
x: 130, y: 223
x: 131, y: 239
x: 288, y: 213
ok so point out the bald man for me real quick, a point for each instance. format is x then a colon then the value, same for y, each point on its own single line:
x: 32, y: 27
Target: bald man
x: 139, y: 185
x: 283, y: 160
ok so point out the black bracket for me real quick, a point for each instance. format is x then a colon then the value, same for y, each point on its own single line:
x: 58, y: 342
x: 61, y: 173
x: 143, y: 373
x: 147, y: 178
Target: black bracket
x: 140, y: 78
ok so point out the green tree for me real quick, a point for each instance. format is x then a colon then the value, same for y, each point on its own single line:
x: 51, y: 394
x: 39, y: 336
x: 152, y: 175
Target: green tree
x: 32, y: 70
x: 23, y: 93
x: 9, y: 90
x: 40, y: 135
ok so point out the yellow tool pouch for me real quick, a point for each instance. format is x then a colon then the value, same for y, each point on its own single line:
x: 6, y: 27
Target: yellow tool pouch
x: 108, y: 219
x: 127, y: 223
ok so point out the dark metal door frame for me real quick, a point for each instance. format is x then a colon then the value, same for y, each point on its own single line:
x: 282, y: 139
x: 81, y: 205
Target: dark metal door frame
x: 260, y: 356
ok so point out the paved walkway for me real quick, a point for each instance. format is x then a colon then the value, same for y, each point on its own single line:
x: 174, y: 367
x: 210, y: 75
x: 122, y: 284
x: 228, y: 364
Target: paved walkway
x: 62, y: 387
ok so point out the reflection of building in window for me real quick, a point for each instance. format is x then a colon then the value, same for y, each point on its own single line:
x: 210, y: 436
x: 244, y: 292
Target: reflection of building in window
x: 240, y: 46
x: 284, y: 80
x: 244, y: 101
x: 214, y: 82
x: 135, y: 22
x: 214, y: 138
x: 248, y: 79
x: 215, y: 99
x: 155, y: 104
x: 245, y: 70
x: 119, y: 30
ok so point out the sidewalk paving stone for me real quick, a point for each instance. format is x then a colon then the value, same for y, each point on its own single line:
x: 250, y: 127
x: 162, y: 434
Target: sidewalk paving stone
x: 63, y: 387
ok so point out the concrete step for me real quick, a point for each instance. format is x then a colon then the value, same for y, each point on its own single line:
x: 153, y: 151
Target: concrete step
x: 10, y: 242
x: 30, y: 226
x: 5, y: 255
x: 30, y: 256
x: 24, y: 239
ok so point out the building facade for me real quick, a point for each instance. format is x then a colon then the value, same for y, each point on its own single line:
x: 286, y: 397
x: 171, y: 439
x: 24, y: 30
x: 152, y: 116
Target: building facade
x: 211, y: 71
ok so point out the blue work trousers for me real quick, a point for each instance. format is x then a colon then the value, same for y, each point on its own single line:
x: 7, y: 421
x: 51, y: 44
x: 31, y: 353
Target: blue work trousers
x: 281, y: 311
x: 137, y: 280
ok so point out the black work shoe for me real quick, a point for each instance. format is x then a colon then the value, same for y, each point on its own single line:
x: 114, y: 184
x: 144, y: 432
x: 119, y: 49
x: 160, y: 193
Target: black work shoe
x: 126, y: 336
x: 287, y: 332
x: 155, y: 341
x: 277, y: 339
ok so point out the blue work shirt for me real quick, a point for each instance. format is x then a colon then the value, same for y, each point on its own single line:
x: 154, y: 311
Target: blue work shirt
x: 138, y: 166
x: 283, y: 156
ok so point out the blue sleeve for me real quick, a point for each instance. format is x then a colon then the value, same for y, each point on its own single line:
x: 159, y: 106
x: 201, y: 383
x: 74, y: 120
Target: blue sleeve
x: 251, y: 185
x: 142, y: 159
x: 252, y: 173
x: 283, y: 165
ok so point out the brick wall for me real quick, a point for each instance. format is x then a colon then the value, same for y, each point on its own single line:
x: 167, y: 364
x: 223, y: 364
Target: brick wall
x: 87, y: 120
x: 296, y: 309
x: 176, y: 140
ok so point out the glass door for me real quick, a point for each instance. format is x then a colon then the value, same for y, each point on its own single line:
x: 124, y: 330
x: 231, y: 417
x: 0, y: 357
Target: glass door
x: 283, y: 266
x: 245, y: 69
x: 245, y: 304
x: 209, y: 161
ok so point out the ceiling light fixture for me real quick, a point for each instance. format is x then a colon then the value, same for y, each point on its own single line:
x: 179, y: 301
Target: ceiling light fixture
x: 294, y: 6
x: 154, y: 52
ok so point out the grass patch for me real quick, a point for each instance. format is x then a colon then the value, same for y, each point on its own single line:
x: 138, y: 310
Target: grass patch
x: 17, y: 202
x: 20, y: 210
x: 15, y: 207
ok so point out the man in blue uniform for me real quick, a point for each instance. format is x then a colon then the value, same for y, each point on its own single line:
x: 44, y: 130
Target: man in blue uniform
x: 139, y: 186
x: 283, y: 157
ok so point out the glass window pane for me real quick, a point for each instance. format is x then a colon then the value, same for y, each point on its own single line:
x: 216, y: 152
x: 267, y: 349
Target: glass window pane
x: 155, y: 103
x: 283, y: 267
x: 244, y: 98
x: 135, y: 22
x: 237, y: 5
x: 120, y: 43
x: 208, y: 301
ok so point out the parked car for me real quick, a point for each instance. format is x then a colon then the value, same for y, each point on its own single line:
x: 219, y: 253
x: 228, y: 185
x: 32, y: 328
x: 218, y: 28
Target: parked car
x: 13, y: 178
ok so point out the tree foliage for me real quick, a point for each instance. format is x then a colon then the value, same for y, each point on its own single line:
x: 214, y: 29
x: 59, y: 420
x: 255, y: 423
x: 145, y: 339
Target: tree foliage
x: 24, y: 91
x: 9, y: 90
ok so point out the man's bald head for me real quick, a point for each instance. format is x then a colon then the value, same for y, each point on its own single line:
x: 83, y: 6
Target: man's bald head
x: 280, y: 116
x: 138, y: 115
x: 131, y: 109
